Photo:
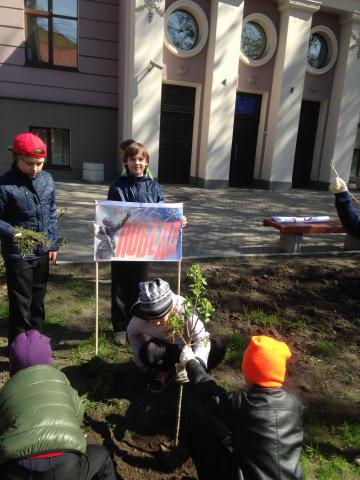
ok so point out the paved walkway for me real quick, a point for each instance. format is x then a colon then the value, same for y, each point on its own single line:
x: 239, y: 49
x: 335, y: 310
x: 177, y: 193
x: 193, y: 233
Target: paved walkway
x: 221, y: 223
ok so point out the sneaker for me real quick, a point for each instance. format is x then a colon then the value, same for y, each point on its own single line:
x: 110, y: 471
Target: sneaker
x: 120, y: 338
x: 357, y: 460
x: 160, y: 382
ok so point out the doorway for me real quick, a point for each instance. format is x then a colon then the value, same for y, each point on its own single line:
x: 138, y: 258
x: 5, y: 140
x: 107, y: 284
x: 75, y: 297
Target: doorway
x: 176, y: 133
x: 243, y: 151
x: 305, y: 144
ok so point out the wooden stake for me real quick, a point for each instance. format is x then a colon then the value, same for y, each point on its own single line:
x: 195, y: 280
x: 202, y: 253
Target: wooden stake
x: 96, y: 308
x: 179, y: 278
x: 178, y: 415
x: 336, y: 173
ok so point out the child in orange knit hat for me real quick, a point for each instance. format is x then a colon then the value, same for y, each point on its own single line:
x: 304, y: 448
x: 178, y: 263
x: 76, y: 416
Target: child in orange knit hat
x: 264, y: 422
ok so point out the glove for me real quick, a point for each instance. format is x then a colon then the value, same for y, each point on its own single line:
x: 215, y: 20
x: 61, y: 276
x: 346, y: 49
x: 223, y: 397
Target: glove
x: 186, y: 355
x: 95, y: 229
x: 181, y: 375
x: 338, y: 186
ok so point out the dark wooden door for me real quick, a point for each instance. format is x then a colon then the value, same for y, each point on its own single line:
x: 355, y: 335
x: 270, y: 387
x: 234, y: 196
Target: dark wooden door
x: 176, y: 133
x: 305, y: 143
x: 246, y: 126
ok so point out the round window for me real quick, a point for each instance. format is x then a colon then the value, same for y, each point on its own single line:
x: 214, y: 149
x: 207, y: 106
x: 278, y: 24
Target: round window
x: 182, y: 30
x: 253, y: 40
x: 318, y: 51
x: 322, y: 51
x: 186, y: 28
x: 258, y: 40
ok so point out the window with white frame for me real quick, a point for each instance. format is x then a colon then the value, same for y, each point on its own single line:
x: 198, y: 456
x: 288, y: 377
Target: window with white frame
x: 258, y: 40
x: 186, y: 28
x: 322, y: 51
x: 57, y: 141
x: 51, y: 33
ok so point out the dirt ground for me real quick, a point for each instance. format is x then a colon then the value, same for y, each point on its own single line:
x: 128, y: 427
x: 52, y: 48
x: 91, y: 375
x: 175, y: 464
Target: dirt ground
x: 311, y: 303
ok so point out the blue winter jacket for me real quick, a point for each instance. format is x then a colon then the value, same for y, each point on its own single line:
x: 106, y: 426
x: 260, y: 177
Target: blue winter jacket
x: 27, y: 203
x: 347, y: 213
x: 128, y: 188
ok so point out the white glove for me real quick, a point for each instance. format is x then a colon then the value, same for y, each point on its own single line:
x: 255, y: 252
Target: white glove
x: 186, y: 355
x: 181, y: 375
x: 95, y: 228
x: 18, y: 235
x: 338, y: 186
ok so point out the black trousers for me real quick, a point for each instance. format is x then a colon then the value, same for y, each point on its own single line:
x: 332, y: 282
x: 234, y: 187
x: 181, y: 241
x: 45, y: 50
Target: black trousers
x: 26, y: 284
x: 212, y: 460
x: 125, y: 279
x: 163, y: 356
x: 95, y: 465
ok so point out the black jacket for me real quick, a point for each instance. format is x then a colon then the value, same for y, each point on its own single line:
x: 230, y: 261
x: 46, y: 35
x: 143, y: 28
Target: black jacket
x: 30, y: 204
x: 265, y: 425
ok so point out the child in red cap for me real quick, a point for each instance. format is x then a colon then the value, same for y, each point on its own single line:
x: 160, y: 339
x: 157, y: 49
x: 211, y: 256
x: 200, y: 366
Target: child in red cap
x: 264, y: 422
x: 27, y: 199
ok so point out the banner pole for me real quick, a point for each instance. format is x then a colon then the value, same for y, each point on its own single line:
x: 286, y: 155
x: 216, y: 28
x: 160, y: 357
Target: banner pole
x: 96, y: 308
x: 178, y: 277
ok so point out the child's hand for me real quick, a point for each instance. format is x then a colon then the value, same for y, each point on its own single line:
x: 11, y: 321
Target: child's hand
x: 183, y: 221
x: 52, y: 257
x: 186, y: 355
x: 95, y: 229
x: 338, y: 186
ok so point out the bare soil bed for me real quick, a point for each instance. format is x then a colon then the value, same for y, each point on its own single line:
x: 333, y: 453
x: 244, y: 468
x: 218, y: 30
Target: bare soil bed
x: 311, y: 303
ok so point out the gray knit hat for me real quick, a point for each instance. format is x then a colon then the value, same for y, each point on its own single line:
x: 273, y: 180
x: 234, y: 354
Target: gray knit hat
x: 155, y: 299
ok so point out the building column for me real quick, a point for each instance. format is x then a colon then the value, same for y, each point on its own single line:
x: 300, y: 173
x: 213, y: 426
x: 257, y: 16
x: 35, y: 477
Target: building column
x: 140, y: 81
x: 344, y: 104
x: 221, y: 81
x: 287, y: 92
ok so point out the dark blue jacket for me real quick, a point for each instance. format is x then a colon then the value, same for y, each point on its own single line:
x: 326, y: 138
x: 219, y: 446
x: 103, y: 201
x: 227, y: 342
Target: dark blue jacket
x: 347, y: 213
x: 128, y: 188
x: 27, y: 203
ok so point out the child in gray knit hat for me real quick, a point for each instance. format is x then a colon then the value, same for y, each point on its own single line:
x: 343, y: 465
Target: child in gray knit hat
x: 150, y: 318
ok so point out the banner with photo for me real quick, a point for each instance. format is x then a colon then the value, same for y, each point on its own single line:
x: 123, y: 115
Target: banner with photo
x: 137, y: 231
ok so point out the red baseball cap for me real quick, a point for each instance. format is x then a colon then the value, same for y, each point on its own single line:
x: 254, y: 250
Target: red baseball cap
x: 29, y: 144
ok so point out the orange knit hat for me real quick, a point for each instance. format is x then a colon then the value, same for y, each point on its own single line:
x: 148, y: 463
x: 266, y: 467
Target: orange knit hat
x: 264, y: 361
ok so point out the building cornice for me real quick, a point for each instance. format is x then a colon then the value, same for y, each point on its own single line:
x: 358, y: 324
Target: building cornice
x: 347, y: 18
x: 310, y: 6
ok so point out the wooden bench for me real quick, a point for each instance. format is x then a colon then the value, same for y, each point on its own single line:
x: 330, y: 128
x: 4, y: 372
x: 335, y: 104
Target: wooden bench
x: 291, y: 234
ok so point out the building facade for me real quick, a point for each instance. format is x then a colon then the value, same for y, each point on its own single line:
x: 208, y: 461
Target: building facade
x: 233, y: 93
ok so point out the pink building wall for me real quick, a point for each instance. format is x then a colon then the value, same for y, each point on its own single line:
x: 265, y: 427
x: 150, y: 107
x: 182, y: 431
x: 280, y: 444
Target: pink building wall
x: 318, y: 87
x: 95, y: 82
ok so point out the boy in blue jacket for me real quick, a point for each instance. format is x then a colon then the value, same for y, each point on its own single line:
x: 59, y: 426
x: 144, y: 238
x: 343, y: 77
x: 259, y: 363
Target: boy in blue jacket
x: 27, y: 199
x: 134, y: 186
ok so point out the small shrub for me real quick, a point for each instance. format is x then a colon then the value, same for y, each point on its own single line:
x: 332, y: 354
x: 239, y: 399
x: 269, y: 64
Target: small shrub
x: 325, y: 349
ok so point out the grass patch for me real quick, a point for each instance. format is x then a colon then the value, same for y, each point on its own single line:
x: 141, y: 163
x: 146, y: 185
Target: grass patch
x: 235, y: 349
x: 86, y: 349
x: 263, y: 319
x: 325, y: 349
x: 328, y: 450
x: 53, y: 318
